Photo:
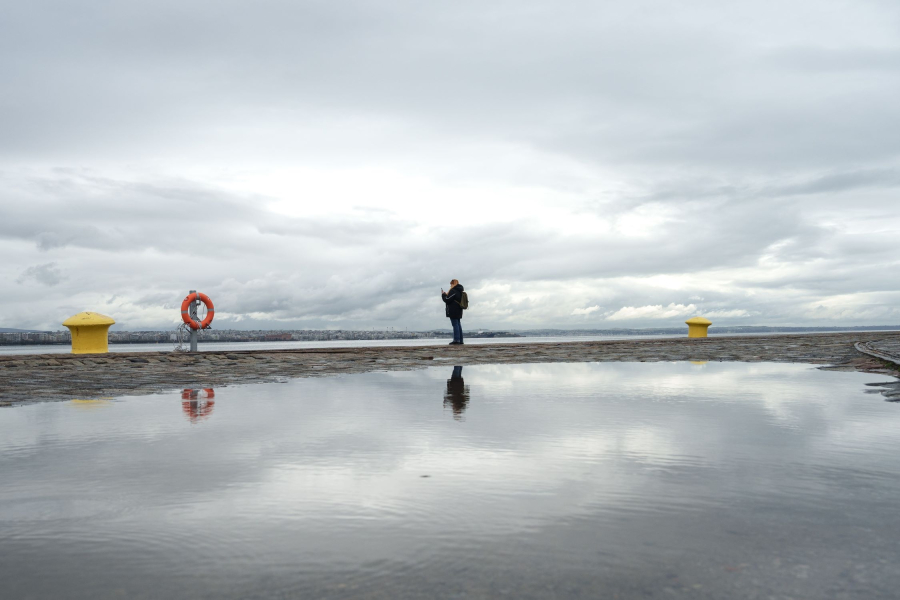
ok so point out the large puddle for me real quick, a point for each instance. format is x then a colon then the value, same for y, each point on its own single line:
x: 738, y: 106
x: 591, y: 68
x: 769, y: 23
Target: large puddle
x: 612, y: 480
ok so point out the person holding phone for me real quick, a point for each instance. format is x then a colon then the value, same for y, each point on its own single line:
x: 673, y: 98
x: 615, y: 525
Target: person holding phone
x: 453, y: 308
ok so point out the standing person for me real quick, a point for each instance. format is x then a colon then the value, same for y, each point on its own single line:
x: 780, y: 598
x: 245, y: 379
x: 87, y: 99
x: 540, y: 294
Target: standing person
x: 453, y: 301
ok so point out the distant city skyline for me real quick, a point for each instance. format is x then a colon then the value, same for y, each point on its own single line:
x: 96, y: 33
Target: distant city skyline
x: 575, y: 165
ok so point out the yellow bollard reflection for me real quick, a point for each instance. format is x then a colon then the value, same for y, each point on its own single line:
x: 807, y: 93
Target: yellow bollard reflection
x: 84, y: 404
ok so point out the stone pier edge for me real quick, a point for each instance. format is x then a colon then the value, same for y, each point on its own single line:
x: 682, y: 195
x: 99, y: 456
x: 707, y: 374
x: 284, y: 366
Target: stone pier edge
x: 866, y: 348
x: 53, y: 377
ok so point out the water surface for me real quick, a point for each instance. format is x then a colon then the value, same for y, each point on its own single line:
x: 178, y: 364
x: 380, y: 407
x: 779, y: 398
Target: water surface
x: 601, y: 480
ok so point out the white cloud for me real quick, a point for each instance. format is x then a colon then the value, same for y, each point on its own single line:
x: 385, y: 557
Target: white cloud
x: 637, y: 164
x: 656, y: 311
x: 727, y: 314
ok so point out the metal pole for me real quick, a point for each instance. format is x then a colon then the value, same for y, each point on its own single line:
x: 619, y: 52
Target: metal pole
x: 193, y: 313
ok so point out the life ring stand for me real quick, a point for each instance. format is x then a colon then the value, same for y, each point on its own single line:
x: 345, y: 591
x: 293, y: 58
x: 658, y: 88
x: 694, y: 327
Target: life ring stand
x: 186, y: 315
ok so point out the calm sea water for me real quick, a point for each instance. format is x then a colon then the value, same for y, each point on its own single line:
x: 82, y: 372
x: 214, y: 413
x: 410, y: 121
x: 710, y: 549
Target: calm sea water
x: 612, y: 480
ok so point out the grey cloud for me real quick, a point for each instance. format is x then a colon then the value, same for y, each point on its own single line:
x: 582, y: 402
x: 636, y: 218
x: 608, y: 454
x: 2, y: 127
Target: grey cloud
x: 105, y: 214
x: 836, y: 60
x: 586, y: 79
x: 828, y: 187
x: 46, y: 274
x: 322, y: 285
x: 768, y: 146
x: 842, y: 182
x: 358, y: 232
x: 320, y: 271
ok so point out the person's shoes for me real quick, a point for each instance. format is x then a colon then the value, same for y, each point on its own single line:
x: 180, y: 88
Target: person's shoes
x: 454, y: 344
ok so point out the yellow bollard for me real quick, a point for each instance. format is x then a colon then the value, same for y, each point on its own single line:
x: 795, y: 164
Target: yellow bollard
x: 697, y: 326
x: 89, y: 332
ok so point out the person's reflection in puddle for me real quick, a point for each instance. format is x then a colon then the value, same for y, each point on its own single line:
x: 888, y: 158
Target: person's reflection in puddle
x: 457, y: 394
x: 197, y: 404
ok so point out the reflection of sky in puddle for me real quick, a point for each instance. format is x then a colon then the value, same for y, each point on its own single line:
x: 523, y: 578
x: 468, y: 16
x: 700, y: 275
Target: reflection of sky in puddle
x: 610, y: 477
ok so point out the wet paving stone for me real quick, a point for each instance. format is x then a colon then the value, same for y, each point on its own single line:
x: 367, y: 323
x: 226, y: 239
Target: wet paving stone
x: 35, y: 378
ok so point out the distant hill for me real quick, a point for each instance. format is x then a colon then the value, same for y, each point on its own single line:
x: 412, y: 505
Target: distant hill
x: 8, y: 330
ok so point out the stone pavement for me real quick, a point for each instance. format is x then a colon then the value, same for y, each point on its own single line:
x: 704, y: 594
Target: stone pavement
x: 888, y: 350
x: 889, y: 347
x: 43, y: 377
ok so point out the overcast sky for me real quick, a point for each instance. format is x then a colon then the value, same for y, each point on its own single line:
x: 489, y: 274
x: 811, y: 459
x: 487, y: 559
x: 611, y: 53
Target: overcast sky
x: 334, y: 164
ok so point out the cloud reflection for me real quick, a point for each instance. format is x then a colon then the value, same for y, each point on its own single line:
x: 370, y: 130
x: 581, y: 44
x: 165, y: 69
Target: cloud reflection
x: 302, y: 469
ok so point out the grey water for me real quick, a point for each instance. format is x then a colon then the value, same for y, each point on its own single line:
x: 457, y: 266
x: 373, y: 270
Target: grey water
x: 610, y: 480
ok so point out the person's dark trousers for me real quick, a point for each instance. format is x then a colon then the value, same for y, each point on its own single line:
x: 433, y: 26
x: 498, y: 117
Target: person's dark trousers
x: 457, y: 330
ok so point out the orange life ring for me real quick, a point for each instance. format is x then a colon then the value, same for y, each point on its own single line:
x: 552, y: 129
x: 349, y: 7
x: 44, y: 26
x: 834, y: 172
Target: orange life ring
x: 186, y: 315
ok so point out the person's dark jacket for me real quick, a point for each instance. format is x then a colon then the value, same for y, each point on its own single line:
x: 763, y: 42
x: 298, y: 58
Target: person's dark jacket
x: 452, y: 300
